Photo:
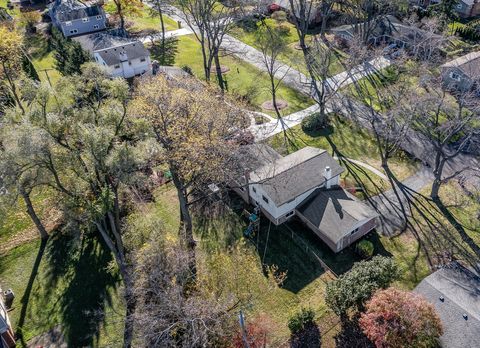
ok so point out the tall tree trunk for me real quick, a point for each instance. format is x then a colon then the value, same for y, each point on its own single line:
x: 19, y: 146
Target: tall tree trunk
x: 186, y: 228
x: 206, y: 65
x: 218, y: 69
x: 13, y: 88
x: 32, y: 213
x: 437, y: 172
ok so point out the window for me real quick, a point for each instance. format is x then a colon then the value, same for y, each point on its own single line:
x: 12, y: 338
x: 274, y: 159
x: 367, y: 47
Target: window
x: 265, y: 199
x: 117, y: 66
x: 354, y: 231
x: 254, y: 189
x: 289, y: 214
x: 68, y: 24
x: 99, y: 17
x: 85, y: 20
x: 95, y: 26
x: 96, y: 58
x: 129, y: 63
x: 142, y: 59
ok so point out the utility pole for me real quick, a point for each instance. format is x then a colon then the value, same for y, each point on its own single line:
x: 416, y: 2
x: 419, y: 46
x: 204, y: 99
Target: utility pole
x: 241, y: 320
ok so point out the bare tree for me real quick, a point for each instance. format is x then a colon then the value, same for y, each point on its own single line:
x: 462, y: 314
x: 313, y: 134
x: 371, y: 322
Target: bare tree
x: 211, y: 22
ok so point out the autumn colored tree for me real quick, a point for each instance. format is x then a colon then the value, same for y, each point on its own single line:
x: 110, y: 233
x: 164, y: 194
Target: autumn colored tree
x: 11, y: 61
x: 124, y: 8
x: 401, y: 319
x: 192, y: 123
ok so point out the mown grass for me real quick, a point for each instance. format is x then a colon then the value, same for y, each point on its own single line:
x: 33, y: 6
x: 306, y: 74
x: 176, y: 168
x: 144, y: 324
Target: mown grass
x: 243, y: 79
x: 42, y: 57
x: 293, y: 57
x: 350, y: 141
x: 67, y: 282
x: 144, y: 19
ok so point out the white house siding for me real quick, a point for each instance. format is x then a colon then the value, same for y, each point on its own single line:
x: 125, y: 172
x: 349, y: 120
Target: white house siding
x: 278, y: 213
x: 124, y: 69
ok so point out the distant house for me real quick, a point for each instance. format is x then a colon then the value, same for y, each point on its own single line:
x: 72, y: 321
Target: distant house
x: 118, y: 54
x: 464, y: 8
x: 304, y: 184
x: 468, y: 8
x: 73, y: 17
x: 462, y: 74
x: 7, y: 338
x: 455, y: 292
x: 314, y: 15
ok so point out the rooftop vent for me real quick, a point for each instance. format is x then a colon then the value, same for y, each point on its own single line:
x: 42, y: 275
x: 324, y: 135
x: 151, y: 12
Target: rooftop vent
x: 465, y: 316
x: 442, y: 298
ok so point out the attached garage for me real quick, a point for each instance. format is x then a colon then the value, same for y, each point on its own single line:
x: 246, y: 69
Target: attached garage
x: 337, y: 217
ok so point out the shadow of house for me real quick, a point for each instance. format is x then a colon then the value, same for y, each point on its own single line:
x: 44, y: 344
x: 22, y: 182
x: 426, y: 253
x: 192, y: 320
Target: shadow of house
x: 276, y: 248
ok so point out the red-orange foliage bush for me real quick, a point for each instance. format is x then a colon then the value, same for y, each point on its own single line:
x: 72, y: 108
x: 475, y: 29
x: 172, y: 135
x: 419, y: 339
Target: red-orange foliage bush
x: 400, y: 319
x: 257, y: 333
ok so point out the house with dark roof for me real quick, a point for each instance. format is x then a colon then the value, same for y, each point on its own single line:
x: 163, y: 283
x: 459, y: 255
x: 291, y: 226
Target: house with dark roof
x: 462, y: 74
x: 73, y: 17
x: 304, y: 184
x: 120, y: 55
x: 455, y: 292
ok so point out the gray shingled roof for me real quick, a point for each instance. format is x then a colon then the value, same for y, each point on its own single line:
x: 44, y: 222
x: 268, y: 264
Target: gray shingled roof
x: 335, y: 212
x: 123, y: 52
x: 469, y: 64
x: 101, y: 40
x: 460, y: 289
x: 295, y: 174
x: 69, y: 10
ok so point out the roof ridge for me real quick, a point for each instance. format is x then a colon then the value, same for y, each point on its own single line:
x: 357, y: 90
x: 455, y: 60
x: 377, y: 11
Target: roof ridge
x: 296, y: 165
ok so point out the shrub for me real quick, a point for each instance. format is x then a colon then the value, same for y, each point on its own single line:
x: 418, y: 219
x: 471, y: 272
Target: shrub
x: 313, y: 123
x: 396, y: 318
x: 280, y: 16
x: 187, y: 69
x: 355, y: 287
x: 365, y: 249
x: 283, y: 30
x: 301, y: 320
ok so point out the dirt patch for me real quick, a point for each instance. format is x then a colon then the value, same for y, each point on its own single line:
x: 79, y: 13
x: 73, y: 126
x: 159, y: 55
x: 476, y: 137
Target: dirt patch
x: 224, y: 69
x: 281, y: 104
x: 51, y: 222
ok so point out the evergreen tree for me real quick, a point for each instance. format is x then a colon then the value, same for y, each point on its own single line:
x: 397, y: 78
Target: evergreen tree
x: 29, y: 69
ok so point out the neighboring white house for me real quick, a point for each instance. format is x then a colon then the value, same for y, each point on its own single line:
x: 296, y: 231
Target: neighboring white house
x: 125, y: 60
x: 304, y: 184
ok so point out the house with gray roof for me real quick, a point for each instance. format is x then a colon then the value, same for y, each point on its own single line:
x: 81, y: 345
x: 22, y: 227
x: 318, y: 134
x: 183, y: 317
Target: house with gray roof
x: 120, y: 55
x: 462, y: 74
x: 74, y: 17
x: 304, y: 184
x: 125, y: 59
x: 455, y: 292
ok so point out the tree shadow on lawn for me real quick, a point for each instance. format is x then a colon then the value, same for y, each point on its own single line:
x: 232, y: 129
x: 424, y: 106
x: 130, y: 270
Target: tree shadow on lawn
x: 82, y: 266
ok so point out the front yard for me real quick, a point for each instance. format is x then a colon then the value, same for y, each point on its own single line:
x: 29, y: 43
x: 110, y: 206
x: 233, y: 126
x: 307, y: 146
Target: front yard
x: 243, y: 79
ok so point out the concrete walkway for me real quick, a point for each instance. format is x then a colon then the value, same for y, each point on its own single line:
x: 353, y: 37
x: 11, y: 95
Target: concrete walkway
x: 168, y: 34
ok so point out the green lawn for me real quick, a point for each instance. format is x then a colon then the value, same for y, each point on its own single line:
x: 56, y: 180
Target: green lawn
x: 243, y: 79
x: 42, y: 57
x: 293, y: 56
x: 67, y: 282
x: 143, y: 20
x: 350, y: 141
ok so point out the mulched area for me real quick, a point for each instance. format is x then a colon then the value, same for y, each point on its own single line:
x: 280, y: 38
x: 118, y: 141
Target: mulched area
x: 281, y: 104
x: 225, y: 69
